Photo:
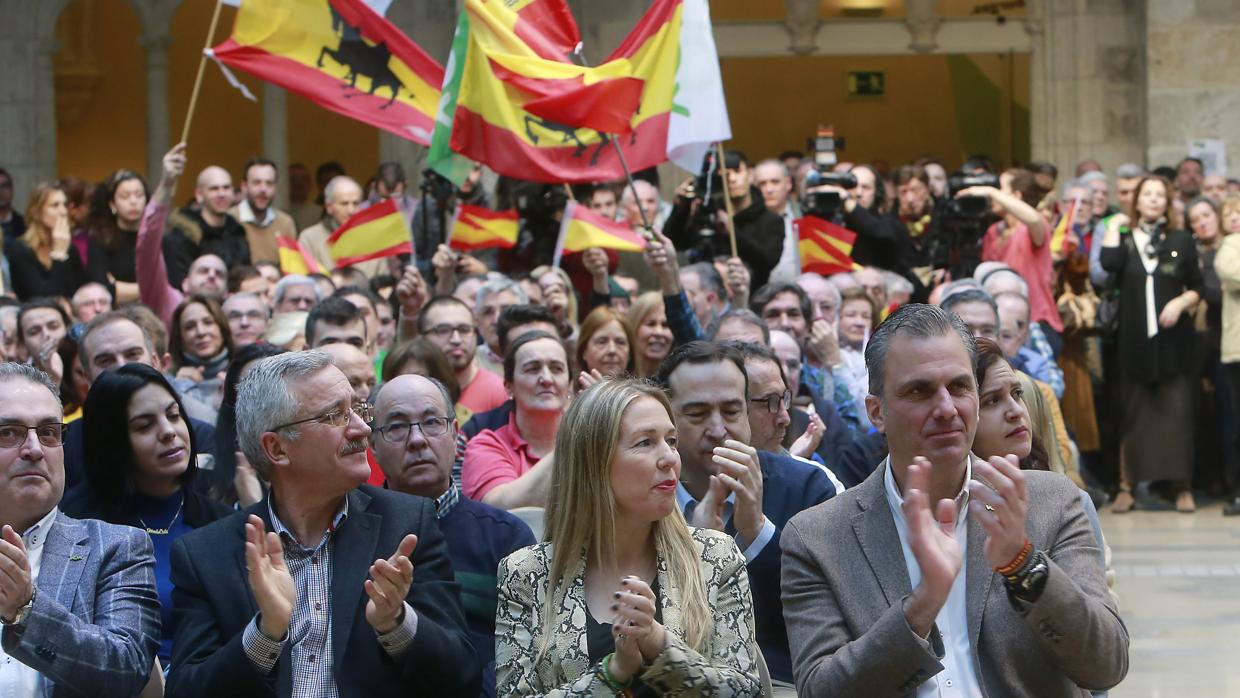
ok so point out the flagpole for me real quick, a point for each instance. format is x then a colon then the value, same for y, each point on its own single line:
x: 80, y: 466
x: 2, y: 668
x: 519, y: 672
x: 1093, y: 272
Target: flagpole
x: 727, y: 196
x: 632, y: 187
x: 559, y: 241
x: 202, y: 65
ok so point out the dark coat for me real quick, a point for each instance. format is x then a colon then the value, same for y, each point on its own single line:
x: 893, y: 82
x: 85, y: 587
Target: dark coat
x: 189, y: 237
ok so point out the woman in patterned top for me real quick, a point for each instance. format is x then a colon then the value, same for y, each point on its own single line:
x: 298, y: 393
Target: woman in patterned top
x: 623, y: 597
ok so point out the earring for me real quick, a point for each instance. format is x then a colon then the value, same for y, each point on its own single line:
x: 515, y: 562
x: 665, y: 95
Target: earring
x: 113, y: 212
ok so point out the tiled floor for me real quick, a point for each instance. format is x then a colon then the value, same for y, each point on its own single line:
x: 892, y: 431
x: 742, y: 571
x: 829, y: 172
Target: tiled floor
x: 1178, y: 578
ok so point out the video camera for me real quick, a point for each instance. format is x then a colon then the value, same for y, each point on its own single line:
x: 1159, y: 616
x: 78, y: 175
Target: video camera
x: 963, y: 224
x: 708, y: 191
x: 827, y: 205
x: 970, y: 206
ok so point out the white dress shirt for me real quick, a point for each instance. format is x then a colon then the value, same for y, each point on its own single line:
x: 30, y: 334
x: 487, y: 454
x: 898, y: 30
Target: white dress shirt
x: 687, y: 504
x: 16, y: 679
x: 789, y: 265
x: 958, y: 678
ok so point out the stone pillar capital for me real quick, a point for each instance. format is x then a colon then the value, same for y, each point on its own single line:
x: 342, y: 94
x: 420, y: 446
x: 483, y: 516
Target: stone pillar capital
x: 802, y: 22
x: 923, y: 25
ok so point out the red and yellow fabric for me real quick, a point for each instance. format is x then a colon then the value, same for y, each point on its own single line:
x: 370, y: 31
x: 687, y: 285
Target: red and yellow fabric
x: 581, y: 229
x: 1061, y: 242
x: 342, y: 56
x: 475, y: 228
x: 825, y: 248
x: 294, y: 259
x: 536, y: 118
x: 372, y: 233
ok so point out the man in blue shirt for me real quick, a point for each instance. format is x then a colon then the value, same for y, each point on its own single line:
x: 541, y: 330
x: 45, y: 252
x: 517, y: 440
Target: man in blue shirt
x: 728, y: 485
x: 414, y: 441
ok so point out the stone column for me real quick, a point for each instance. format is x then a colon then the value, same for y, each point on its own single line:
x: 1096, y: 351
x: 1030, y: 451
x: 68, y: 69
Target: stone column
x: 275, y: 137
x: 158, y: 126
x: 27, y: 102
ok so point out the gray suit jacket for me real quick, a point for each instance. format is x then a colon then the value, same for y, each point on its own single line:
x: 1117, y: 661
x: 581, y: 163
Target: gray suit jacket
x: 94, y: 628
x: 844, y: 582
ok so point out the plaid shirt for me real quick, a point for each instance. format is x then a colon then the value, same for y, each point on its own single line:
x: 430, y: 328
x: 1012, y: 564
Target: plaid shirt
x: 1038, y: 342
x: 310, y: 628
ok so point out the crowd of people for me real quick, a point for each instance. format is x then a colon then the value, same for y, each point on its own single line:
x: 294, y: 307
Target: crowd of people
x: 679, y: 471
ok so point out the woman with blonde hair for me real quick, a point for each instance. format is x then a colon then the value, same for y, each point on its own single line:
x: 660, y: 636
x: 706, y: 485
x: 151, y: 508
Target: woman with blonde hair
x: 43, y: 261
x: 652, y: 337
x: 623, y: 597
x: 604, y: 346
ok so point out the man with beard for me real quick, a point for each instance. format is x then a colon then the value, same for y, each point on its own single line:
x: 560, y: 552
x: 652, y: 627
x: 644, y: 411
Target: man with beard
x: 449, y: 324
x: 263, y: 222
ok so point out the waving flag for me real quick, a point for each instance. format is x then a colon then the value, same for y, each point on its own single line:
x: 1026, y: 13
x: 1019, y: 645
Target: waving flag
x: 1061, y: 245
x: 374, y: 232
x: 475, y: 228
x: 293, y: 257
x: 825, y: 247
x: 581, y: 229
x: 512, y: 101
x: 341, y: 55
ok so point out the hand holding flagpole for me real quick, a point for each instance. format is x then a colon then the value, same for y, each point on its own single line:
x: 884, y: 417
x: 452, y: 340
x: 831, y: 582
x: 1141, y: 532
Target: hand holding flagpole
x: 202, y: 65
x: 727, y: 196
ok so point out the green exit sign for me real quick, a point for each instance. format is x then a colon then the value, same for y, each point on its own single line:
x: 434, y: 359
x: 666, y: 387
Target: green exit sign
x: 866, y: 84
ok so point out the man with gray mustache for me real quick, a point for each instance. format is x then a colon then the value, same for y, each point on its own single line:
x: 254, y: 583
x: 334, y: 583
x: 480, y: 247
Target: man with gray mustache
x: 327, y: 587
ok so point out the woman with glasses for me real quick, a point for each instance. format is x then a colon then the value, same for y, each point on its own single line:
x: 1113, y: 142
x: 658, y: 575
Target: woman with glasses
x: 623, y: 598
x: 510, y: 467
x: 1155, y: 266
x: 142, y: 466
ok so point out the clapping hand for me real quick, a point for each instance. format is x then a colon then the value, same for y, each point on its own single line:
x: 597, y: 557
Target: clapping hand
x: 807, y: 443
x: 1000, y: 503
x: 639, y: 637
x: 932, y: 538
x: 388, y: 586
x: 270, y: 580
x: 741, y: 472
x: 16, y: 581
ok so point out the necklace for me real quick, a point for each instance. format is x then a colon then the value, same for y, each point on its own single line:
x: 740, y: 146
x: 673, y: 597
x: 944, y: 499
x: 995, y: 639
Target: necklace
x: 164, y: 531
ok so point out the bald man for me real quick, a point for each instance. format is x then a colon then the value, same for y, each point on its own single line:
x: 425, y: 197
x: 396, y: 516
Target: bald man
x: 414, y: 440
x: 205, y: 229
x: 355, y: 366
x: 342, y: 198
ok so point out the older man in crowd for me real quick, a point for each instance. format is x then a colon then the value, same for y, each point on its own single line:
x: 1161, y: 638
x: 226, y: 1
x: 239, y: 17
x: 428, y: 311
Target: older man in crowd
x: 327, y: 587
x: 78, y: 610
x: 342, y: 198
x: 938, y: 575
x: 414, y: 440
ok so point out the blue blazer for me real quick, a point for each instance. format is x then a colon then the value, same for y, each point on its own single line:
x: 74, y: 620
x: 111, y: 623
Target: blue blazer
x: 789, y: 486
x: 213, y: 605
x: 94, y: 628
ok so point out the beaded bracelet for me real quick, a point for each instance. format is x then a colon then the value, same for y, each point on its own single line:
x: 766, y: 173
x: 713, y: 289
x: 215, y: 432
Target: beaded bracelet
x: 603, y: 673
x: 1017, y: 561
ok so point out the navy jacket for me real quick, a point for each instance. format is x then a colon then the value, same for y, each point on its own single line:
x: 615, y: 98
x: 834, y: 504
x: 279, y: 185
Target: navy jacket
x: 214, y: 604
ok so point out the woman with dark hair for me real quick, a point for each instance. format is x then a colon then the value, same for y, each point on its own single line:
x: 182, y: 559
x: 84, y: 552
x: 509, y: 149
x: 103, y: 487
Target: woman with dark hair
x: 421, y: 356
x: 199, y: 340
x: 142, y: 465
x: 1003, y: 424
x: 116, y: 211
x: 233, y: 480
x: 1159, y: 279
x: 43, y: 261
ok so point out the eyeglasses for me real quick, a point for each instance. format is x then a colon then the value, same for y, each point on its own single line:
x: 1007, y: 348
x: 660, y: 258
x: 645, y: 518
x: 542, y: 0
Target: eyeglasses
x: 398, y: 432
x: 254, y: 315
x: 446, y: 331
x: 337, y: 418
x: 50, y: 435
x: 775, y: 402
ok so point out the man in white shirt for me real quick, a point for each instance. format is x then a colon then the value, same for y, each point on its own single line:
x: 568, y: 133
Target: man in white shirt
x: 946, y: 575
x: 78, y: 607
x: 775, y: 183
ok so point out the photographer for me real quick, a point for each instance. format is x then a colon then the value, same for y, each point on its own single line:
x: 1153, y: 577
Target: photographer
x: 1022, y: 241
x: 699, y: 224
x: 429, y: 217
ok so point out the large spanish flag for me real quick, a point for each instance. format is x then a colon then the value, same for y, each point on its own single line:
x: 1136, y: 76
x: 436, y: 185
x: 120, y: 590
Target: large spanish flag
x: 581, y: 229
x: 374, y: 232
x: 476, y: 228
x: 342, y: 56
x: 825, y: 247
x: 529, y: 114
x: 293, y: 257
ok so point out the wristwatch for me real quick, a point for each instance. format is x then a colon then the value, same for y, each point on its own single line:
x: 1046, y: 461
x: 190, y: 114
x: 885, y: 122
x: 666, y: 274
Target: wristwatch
x: 22, y: 613
x: 1027, y: 583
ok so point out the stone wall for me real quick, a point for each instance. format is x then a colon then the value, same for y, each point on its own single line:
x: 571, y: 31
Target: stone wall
x: 1194, y: 77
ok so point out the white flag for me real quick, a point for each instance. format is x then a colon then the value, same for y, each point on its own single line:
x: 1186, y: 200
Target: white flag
x: 699, y: 112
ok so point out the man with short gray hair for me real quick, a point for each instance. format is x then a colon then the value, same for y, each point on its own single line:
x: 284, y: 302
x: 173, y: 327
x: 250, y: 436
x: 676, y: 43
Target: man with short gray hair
x: 311, y: 622
x: 341, y: 199
x: 493, y: 296
x: 91, y: 299
x: 78, y: 609
x: 939, y: 576
x: 295, y: 293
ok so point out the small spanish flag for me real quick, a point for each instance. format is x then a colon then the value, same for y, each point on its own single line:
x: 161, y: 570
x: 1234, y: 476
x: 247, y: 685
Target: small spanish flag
x: 476, y: 228
x: 825, y: 247
x: 1061, y: 245
x: 374, y: 232
x: 581, y: 229
x: 294, y: 259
